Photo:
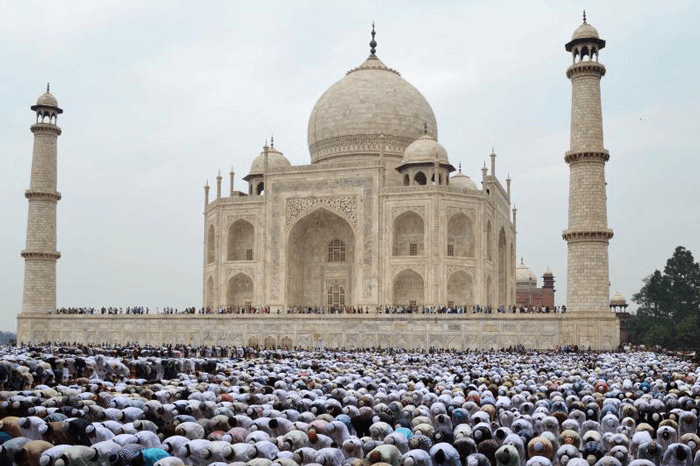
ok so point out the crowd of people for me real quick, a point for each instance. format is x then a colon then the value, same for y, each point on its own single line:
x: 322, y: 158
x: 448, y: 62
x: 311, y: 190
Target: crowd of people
x: 179, y: 405
x: 386, y: 309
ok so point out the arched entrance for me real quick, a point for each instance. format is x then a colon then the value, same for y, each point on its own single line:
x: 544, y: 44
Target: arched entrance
x: 240, y: 241
x: 240, y: 291
x: 320, y: 258
x: 286, y: 343
x: 408, y: 235
x: 460, y: 239
x: 209, y: 301
x: 211, y: 245
x: 460, y: 289
x: 408, y: 289
x: 502, y: 269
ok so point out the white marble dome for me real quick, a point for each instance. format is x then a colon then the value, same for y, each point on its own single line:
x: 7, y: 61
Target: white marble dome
x: 425, y: 149
x: 524, y: 276
x: 460, y: 180
x: 585, y: 31
x: 47, y: 100
x: 275, y: 159
x: 372, y: 100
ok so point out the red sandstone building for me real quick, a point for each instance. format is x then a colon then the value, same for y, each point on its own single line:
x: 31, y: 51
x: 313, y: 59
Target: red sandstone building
x: 527, y: 294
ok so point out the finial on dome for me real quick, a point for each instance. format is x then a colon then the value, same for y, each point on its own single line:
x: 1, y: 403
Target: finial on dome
x: 460, y: 167
x: 425, y: 127
x: 373, y: 43
x: 584, y: 17
x: 47, y: 87
x: 272, y: 141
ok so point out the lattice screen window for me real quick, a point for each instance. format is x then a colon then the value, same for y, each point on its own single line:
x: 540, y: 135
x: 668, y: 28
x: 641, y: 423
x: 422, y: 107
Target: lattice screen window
x: 336, y: 251
x: 249, y: 254
x: 413, y: 249
x: 336, y: 296
x: 451, y: 304
x: 412, y: 304
x: 451, y: 250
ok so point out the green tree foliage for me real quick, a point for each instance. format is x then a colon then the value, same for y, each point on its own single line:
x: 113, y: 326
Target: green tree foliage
x: 669, y: 305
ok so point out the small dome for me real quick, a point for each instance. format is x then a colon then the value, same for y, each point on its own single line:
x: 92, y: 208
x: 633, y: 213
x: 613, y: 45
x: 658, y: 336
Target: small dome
x: 548, y: 273
x: 585, y: 31
x: 275, y: 159
x: 425, y: 149
x: 618, y: 300
x: 524, y: 276
x: 47, y: 100
x: 460, y: 180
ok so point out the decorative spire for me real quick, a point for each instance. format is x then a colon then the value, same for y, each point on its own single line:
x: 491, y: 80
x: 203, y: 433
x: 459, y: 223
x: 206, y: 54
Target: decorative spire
x: 265, y: 146
x: 584, y: 16
x: 47, y: 87
x: 425, y: 127
x: 272, y: 141
x: 460, y: 167
x: 373, y: 43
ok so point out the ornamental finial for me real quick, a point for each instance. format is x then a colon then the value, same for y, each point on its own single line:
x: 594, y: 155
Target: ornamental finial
x: 584, y: 16
x: 272, y: 141
x: 373, y: 43
x: 47, y: 87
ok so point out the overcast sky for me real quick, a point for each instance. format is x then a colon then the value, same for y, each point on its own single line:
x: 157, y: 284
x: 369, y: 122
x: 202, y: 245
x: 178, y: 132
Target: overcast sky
x: 160, y: 95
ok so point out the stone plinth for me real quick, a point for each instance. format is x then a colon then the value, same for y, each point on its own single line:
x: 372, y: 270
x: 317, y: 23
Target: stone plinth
x: 410, y: 331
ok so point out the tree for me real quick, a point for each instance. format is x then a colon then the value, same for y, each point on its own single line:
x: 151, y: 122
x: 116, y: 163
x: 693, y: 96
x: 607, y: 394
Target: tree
x: 669, y: 305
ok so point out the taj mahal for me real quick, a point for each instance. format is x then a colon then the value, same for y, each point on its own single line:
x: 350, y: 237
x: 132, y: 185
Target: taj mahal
x: 380, y: 218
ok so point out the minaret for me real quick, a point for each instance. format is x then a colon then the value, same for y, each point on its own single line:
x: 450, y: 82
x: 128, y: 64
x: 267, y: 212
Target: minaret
x: 40, y: 254
x: 587, y: 236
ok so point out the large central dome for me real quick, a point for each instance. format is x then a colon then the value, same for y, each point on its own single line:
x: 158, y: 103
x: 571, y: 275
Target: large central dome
x: 370, y: 101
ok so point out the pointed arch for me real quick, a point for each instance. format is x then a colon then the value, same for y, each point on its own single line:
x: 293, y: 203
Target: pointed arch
x: 240, y: 291
x: 211, y: 244
x: 241, y: 241
x: 408, y: 235
x: 511, y: 273
x: 270, y: 342
x: 408, y: 289
x: 209, y: 299
x: 460, y: 235
x: 460, y: 289
x: 311, y: 246
x: 489, y: 294
x: 502, y: 269
x: 286, y: 343
x: 420, y: 179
